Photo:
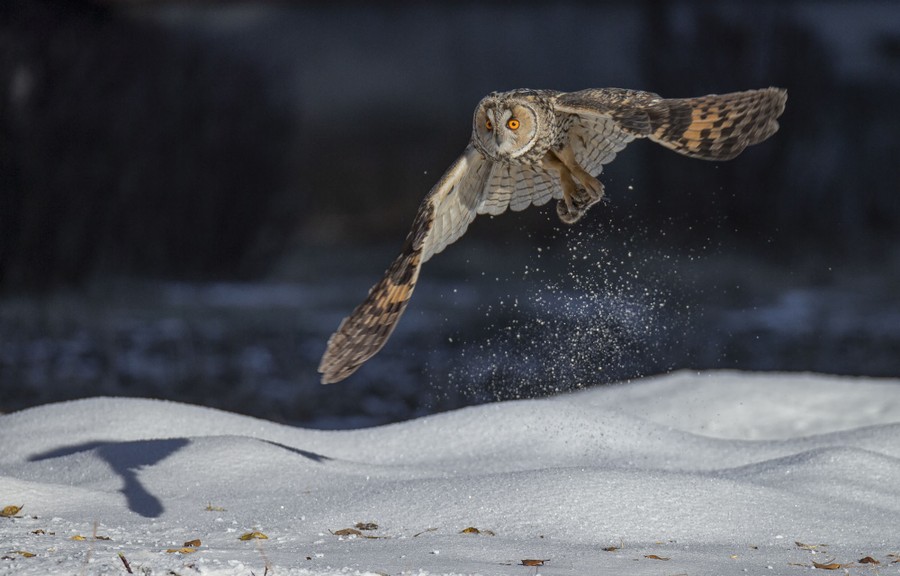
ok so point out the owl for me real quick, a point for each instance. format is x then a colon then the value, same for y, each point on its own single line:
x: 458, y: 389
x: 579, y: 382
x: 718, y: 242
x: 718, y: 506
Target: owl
x: 531, y: 146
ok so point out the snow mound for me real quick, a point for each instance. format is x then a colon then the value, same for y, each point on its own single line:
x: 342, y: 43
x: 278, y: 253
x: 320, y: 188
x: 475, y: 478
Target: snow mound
x: 713, y: 473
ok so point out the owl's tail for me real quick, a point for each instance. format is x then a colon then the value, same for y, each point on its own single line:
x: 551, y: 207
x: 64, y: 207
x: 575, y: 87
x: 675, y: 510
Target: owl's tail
x: 717, y: 126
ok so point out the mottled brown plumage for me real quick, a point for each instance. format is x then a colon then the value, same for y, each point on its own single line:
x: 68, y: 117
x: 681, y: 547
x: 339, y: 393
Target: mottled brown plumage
x: 529, y: 146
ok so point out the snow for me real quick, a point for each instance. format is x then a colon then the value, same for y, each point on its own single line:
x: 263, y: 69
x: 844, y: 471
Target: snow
x: 691, y: 473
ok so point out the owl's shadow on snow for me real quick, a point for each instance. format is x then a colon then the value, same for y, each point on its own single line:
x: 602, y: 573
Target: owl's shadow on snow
x: 128, y: 458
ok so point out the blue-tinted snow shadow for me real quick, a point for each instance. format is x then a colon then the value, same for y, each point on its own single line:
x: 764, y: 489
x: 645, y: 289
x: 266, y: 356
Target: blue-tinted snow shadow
x: 128, y: 458
x: 314, y: 456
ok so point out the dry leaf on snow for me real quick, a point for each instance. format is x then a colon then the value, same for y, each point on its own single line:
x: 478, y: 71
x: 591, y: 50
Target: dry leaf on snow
x: 529, y: 562
x: 80, y: 538
x: 255, y: 535
x: 828, y: 566
x: 655, y: 557
x: 366, y: 526
x: 24, y: 553
x: 192, y: 543
x: 347, y: 532
x: 10, y: 511
x: 868, y: 560
x: 182, y: 550
x: 474, y: 530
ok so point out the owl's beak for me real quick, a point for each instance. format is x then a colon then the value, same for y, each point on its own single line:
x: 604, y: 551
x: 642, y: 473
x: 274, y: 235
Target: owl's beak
x: 497, y: 137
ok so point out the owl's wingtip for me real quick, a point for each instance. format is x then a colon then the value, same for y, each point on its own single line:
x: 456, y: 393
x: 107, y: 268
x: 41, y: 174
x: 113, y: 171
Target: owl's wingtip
x: 334, y: 374
x: 779, y: 96
x: 334, y: 367
x: 332, y: 378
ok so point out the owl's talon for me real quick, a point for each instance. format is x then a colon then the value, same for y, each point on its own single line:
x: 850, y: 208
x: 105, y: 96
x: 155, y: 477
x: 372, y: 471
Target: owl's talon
x: 573, y: 205
x: 568, y: 214
x: 585, y: 201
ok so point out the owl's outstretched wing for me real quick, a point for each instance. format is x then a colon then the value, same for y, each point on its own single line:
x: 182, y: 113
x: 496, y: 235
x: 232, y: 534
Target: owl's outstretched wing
x: 454, y: 200
x: 601, y: 122
x: 712, y: 127
x: 443, y: 216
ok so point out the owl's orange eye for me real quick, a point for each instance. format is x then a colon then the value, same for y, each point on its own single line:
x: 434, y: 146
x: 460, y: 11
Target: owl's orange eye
x: 488, y: 124
x: 512, y: 124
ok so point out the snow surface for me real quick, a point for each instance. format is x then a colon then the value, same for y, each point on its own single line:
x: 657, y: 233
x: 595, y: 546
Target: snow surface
x: 711, y: 473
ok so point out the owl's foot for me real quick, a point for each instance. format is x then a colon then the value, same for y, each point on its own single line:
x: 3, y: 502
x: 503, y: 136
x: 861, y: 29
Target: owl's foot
x: 577, y: 200
x: 580, y: 190
x: 568, y: 214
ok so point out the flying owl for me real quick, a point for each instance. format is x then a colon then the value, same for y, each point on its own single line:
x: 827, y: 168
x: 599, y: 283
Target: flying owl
x: 531, y: 146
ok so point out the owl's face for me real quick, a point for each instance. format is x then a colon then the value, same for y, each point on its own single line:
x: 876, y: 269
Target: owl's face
x: 508, y: 128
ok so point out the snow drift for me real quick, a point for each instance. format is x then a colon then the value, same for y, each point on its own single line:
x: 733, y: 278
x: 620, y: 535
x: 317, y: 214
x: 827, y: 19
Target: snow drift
x: 712, y: 473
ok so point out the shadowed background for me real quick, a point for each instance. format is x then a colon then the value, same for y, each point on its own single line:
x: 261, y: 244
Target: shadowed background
x: 195, y: 193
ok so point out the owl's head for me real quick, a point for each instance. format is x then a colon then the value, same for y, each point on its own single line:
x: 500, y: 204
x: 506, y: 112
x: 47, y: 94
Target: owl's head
x: 513, y: 126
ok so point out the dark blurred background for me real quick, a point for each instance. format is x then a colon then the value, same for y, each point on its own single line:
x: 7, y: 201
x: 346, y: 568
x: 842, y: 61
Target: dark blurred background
x: 193, y: 194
